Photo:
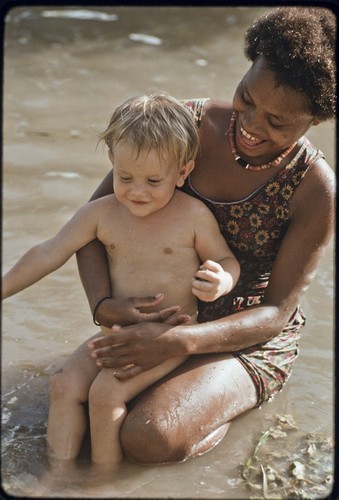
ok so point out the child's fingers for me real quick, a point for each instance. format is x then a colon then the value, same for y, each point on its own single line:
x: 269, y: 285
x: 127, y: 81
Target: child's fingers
x: 205, y: 275
x: 204, y: 295
x: 210, y: 265
x: 201, y: 285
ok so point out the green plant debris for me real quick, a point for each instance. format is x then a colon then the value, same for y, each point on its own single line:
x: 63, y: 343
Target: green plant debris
x: 289, y: 464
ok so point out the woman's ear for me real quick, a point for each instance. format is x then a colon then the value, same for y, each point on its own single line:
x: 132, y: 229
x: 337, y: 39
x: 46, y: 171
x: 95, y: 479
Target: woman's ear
x: 184, y: 172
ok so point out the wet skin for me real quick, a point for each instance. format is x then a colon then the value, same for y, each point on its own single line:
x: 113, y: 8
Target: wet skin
x: 271, y: 117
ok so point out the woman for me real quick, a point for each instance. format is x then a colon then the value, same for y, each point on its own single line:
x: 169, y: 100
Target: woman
x: 272, y: 193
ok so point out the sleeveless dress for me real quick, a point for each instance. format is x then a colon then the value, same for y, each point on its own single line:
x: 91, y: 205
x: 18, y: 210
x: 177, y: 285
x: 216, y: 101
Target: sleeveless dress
x: 254, y: 229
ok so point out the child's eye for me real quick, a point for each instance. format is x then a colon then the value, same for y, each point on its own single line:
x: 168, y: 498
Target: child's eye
x: 154, y: 182
x: 125, y: 179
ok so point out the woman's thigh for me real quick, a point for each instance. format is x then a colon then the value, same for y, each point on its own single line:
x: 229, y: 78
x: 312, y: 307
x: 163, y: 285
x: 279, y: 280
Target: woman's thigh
x: 187, y: 412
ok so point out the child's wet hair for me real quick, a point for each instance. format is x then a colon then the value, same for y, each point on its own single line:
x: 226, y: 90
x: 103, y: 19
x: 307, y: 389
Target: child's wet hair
x: 158, y: 121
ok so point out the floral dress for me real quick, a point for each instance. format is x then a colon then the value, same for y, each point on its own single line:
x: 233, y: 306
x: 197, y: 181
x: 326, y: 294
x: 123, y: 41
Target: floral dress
x: 254, y: 229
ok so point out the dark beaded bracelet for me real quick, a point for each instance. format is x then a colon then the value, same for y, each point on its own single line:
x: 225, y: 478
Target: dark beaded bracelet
x: 96, y: 308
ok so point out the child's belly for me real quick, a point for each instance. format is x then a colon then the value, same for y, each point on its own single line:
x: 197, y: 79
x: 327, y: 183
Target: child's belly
x: 145, y: 280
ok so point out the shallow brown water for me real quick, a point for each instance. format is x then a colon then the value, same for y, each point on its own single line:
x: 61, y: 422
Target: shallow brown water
x: 65, y: 71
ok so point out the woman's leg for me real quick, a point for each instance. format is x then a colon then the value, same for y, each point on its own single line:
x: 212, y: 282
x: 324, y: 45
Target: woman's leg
x: 68, y: 390
x: 188, y: 412
x: 107, y: 408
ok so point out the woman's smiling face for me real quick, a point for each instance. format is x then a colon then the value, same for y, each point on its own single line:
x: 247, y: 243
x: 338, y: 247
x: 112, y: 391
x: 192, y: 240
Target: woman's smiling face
x: 269, y: 117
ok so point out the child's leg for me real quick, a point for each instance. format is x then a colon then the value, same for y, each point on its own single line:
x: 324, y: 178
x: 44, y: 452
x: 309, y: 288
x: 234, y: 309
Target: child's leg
x: 68, y: 390
x: 107, y: 408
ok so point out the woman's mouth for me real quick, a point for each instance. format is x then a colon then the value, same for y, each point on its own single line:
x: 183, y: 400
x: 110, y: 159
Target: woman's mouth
x: 248, y: 139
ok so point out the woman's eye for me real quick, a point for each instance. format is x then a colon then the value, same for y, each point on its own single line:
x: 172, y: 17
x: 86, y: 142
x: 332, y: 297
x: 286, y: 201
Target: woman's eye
x: 246, y: 99
x: 274, y: 125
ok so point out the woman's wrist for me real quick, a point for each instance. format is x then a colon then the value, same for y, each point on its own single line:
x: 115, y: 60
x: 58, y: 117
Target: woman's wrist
x: 95, y: 311
x: 180, y: 340
x: 103, y: 313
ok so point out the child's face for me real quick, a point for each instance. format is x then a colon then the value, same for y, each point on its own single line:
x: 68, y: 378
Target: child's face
x: 145, y: 184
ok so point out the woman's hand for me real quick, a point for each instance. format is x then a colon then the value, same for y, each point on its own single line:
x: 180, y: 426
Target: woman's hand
x: 133, y: 310
x: 135, y: 348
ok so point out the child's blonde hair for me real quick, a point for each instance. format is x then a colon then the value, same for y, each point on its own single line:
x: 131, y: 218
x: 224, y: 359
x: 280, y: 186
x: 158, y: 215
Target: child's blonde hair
x: 158, y: 121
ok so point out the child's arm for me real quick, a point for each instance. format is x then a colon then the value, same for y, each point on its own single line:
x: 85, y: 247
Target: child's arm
x: 220, y: 270
x: 52, y: 254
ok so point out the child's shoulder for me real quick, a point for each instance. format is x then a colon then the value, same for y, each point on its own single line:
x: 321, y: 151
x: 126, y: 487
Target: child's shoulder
x: 109, y: 199
x: 189, y: 202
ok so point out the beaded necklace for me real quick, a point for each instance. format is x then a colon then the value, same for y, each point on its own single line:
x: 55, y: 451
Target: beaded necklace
x: 246, y: 165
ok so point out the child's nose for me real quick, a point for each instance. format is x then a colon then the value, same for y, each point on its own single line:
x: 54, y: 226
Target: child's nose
x: 138, y: 189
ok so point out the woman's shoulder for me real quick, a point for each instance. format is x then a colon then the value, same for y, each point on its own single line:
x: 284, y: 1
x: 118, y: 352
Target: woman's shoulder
x: 322, y: 176
x: 206, y: 107
x: 317, y: 167
x: 217, y: 104
x: 317, y: 191
x: 216, y: 118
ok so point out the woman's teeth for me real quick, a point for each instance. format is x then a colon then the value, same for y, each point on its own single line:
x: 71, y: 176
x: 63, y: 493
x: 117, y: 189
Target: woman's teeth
x: 248, y: 138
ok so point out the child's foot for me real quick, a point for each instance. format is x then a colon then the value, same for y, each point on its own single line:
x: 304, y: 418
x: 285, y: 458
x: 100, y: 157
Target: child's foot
x: 60, y: 475
x: 101, y: 473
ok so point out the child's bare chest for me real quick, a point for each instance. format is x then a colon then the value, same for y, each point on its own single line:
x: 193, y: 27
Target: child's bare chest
x: 148, y: 258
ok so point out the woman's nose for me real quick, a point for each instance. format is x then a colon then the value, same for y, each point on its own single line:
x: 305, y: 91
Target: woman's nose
x: 252, y: 121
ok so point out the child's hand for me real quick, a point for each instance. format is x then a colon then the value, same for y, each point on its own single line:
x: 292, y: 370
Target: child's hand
x: 210, y: 282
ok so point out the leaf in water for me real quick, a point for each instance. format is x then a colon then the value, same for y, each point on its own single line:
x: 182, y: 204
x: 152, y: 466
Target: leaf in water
x: 287, y: 422
x: 277, y: 433
x: 311, y: 450
x: 297, y: 469
x: 304, y: 462
x: 260, y: 444
x: 264, y: 482
x: 272, y: 475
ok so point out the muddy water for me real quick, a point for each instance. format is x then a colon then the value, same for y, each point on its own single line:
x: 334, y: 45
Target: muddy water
x: 65, y: 71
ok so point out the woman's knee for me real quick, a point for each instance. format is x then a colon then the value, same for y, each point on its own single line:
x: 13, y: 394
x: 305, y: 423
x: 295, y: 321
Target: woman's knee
x: 157, y: 441
x: 147, y: 439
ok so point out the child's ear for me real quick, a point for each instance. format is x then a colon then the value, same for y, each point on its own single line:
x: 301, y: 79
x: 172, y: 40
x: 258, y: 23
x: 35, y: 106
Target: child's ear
x: 111, y: 156
x: 184, y: 172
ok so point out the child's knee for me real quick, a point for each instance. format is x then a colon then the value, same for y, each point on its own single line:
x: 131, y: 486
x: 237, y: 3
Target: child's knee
x: 102, y: 392
x: 58, y: 386
x: 95, y: 395
x: 62, y: 385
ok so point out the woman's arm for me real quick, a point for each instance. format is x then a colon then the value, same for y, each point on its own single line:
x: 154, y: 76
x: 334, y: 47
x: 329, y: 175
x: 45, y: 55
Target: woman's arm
x: 92, y: 260
x: 304, y: 244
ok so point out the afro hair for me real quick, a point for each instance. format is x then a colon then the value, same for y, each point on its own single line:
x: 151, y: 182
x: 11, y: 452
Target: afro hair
x: 299, y: 46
